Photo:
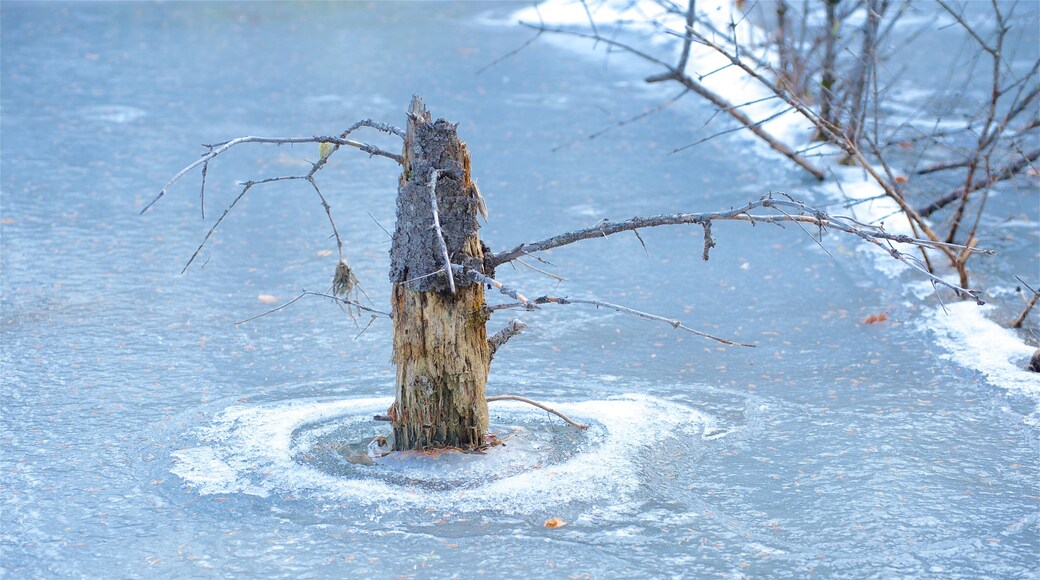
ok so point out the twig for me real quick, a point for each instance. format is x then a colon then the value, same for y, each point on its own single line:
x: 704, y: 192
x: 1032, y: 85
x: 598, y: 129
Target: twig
x: 754, y: 125
x: 624, y: 122
x: 540, y: 271
x: 510, y: 53
x: 512, y: 329
x: 437, y: 228
x: 245, y: 189
x: 328, y: 212
x: 541, y: 406
x: 1007, y: 172
x: 678, y: 75
x: 272, y: 311
x: 202, y: 192
x: 638, y: 314
x: 1017, y: 323
x: 219, y: 148
x: 709, y: 241
x: 308, y: 293
x: 484, y: 279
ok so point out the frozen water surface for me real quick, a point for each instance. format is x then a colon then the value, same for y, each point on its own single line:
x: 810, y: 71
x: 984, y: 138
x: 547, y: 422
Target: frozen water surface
x: 145, y: 434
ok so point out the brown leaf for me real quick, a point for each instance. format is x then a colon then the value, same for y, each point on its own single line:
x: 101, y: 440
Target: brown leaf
x: 555, y: 523
x: 875, y: 318
x: 901, y: 179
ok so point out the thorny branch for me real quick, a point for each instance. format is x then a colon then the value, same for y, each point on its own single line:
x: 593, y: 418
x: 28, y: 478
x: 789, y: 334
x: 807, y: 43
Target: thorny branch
x: 796, y: 212
x: 218, y: 148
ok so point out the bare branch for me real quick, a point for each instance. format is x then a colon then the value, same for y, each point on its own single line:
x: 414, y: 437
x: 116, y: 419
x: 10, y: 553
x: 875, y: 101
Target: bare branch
x: 543, y: 272
x: 739, y: 115
x: 624, y: 122
x: 378, y: 126
x: 501, y: 337
x: 202, y: 193
x: 638, y: 314
x: 1007, y: 172
x: 1017, y: 322
x: 684, y: 57
x: 245, y: 189
x: 307, y: 293
x: 219, y: 148
x: 799, y: 213
x: 484, y: 279
x: 541, y: 406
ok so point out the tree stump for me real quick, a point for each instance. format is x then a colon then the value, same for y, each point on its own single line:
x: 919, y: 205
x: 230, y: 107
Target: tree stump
x: 440, y: 339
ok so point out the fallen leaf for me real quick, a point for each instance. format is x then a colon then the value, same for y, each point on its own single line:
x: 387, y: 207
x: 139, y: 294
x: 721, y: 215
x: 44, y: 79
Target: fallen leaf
x: 267, y: 299
x: 875, y: 318
x: 555, y: 523
x: 901, y: 179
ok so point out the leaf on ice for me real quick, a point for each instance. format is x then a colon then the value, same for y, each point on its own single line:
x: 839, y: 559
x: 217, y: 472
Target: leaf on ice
x: 555, y: 523
x: 875, y: 318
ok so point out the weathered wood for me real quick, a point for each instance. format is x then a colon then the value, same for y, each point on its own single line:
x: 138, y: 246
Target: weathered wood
x: 440, y: 340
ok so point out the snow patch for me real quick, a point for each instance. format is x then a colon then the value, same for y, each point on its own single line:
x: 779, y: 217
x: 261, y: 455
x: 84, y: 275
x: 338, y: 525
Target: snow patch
x: 976, y: 342
x: 251, y: 450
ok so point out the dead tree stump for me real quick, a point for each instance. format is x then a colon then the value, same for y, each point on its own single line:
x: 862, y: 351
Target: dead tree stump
x: 440, y: 339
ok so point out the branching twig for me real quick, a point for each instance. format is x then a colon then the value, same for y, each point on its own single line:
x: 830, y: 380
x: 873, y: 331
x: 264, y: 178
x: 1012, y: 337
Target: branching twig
x: 1005, y: 173
x: 672, y: 73
x: 219, y: 148
x: 541, y: 406
x: 323, y: 295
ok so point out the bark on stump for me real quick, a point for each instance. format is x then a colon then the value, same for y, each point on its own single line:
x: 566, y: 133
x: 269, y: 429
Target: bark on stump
x: 440, y: 340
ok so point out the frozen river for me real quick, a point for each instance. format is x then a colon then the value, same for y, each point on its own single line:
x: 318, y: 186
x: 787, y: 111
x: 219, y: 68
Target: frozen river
x: 145, y: 434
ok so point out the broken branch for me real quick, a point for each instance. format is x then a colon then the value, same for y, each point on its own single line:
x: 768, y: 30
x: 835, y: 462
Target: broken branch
x: 541, y: 406
x: 501, y: 337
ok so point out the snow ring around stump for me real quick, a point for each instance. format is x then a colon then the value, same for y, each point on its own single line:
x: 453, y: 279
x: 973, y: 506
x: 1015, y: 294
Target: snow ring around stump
x: 310, y: 449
